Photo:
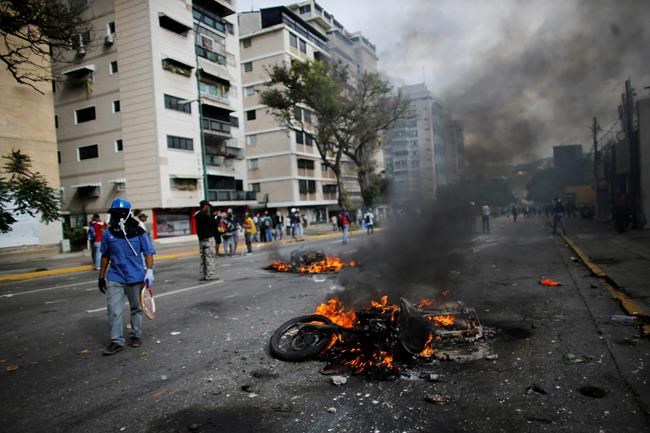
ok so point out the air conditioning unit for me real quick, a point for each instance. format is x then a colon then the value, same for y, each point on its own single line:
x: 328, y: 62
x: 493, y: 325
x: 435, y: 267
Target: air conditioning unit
x: 206, y: 42
x: 109, y: 39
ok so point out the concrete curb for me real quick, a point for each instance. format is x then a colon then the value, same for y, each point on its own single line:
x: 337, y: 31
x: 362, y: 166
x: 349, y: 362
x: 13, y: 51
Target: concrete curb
x: 629, y: 305
x: 160, y: 258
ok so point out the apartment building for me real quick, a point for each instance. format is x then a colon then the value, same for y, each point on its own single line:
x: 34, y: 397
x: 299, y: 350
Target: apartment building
x: 454, y: 150
x: 283, y: 166
x: 27, y: 124
x: 352, y: 49
x: 410, y: 151
x: 149, y: 108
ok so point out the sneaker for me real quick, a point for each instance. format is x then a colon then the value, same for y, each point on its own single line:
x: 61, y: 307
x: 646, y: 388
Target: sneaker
x: 112, y: 349
x: 134, y: 342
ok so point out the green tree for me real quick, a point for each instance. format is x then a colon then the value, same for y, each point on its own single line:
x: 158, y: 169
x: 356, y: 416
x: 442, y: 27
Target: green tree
x: 33, y: 32
x: 348, y: 116
x: 27, y: 191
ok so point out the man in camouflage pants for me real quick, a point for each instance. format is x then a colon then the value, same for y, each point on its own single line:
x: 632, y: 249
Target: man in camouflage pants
x: 206, y: 230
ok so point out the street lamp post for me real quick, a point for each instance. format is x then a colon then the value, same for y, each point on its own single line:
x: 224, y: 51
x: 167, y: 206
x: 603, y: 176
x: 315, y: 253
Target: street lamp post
x: 204, y: 172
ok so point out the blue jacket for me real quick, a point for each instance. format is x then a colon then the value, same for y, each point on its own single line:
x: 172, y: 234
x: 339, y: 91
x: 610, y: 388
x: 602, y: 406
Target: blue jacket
x: 126, y: 267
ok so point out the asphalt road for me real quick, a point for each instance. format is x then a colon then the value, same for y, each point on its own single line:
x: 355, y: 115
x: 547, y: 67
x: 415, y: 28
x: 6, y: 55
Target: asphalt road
x: 54, y: 329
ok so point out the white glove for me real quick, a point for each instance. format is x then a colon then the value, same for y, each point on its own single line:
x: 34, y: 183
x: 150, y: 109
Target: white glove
x: 148, y: 277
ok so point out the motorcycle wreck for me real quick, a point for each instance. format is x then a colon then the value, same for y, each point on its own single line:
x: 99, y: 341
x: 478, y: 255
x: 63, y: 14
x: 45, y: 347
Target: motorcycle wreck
x: 380, y: 340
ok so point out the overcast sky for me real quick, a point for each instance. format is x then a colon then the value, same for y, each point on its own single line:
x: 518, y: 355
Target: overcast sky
x: 523, y: 75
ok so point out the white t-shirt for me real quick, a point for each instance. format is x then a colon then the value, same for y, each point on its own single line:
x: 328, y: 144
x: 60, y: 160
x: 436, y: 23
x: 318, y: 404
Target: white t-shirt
x: 369, y: 218
x: 485, y: 209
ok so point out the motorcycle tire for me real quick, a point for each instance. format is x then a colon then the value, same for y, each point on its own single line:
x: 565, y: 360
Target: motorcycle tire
x: 301, y: 346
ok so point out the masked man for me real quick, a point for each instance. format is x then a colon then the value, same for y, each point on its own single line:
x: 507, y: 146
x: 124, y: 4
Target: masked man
x: 123, y: 246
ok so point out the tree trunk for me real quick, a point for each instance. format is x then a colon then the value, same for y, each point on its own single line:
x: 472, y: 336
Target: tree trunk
x: 367, y: 194
x: 343, y: 199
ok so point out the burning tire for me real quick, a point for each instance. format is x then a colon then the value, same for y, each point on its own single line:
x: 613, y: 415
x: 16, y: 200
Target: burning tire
x: 301, y: 338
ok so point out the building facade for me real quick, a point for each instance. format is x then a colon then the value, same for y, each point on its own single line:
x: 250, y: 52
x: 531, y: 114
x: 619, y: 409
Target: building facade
x: 284, y: 166
x: 454, y: 150
x: 410, y: 152
x: 149, y: 108
x: 27, y: 124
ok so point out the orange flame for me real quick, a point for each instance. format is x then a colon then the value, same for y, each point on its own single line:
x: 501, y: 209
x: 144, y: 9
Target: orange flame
x: 443, y: 320
x: 280, y: 266
x: 444, y: 292
x: 425, y: 303
x: 334, y: 310
x: 428, y: 350
x: 377, y: 359
x: 330, y: 264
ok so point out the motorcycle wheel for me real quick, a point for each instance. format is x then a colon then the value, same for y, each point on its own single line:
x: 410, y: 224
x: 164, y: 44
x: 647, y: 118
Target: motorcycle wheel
x: 292, y: 342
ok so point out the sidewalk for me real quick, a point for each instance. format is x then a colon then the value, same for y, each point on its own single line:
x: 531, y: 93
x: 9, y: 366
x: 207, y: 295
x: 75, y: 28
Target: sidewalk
x: 622, y: 260
x: 38, y: 264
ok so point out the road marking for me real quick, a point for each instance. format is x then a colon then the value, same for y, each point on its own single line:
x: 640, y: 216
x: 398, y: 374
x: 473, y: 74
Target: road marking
x: 45, y: 289
x: 58, y: 301
x: 173, y: 292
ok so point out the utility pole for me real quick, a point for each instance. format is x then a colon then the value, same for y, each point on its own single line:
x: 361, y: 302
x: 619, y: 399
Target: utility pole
x: 595, y: 129
x: 633, y: 183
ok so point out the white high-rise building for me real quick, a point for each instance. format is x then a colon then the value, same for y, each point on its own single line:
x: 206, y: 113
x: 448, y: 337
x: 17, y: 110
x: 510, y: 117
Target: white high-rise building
x: 149, y: 109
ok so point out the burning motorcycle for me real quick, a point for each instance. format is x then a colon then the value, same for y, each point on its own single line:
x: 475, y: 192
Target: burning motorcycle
x: 375, y: 338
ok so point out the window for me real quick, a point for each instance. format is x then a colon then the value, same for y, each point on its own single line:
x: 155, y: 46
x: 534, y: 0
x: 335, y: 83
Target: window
x: 255, y: 187
x: 116, y: 106
x: 88, y: 152
x: 306, y: 164
x: 253, y: 164
x: 176, y: 67
x: 113, y: 67
x: 250, y: 115
x: 308, y: 140
x: 251, y: 140
x: 305, y: 9
x: 248, y: 66
x: 181, y: 143
x: 230, y: 28
x: 174, y: 103
x: 329, y: 189
x: 84, y: 115
x: 56, y: 121
x: 118, y: 145
x: 300, y: 137
x: 58, y: 155
x: 234, y: 121
x: 246, y: 43
x: 297, y: 113
x: 249, y: 91
x: 183, y: 184
x: 307, y: 186
x: 303, y: 46
x: 293, y: 40
x: 306, y: 116
x: 110, y: 28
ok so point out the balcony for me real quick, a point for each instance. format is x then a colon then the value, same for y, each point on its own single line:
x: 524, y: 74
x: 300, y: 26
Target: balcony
x: 217, y: 127
x: 215, y: 160
x: 231, y: 195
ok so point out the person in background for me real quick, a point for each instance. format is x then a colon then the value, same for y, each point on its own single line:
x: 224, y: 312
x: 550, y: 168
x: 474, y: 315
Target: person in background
x: 515, y: 212
x: 205, y: 231
x: 227, y: 227
x: 485, y: 216
x: 299, y: 225
x: 369, y: 221
x: 249, y: 231
x: 334, y: 222
x: 344, y: 225
x: 558, y: 216
x: 121, y: 275
x: 278, y: 221
x: 235, y: 233
x: 267, y: 227
x: 95, y: 231
x: 217, y: 235
x: 256, y: 221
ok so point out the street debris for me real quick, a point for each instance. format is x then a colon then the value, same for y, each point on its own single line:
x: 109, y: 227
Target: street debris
x: 534, y: 388
x: 433, y: 377
x: 331, y: 410
x: 438, y: 399
x: 11, y: 367
x: 592, y: 391
x: 83, y: 352
x: 247, y: 388
x: 548, y: 282
x: 174, y: 333
x: 163, y: 377
x: 310, y: 262
x: 570, y: 358
x: 283, y: 408
x: 623, y: 318
x: 491, y: 356
x: 339, y: 380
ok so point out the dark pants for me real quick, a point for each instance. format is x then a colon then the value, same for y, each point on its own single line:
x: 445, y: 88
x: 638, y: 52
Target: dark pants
x: 249, y: 242
x: 486, y: 224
